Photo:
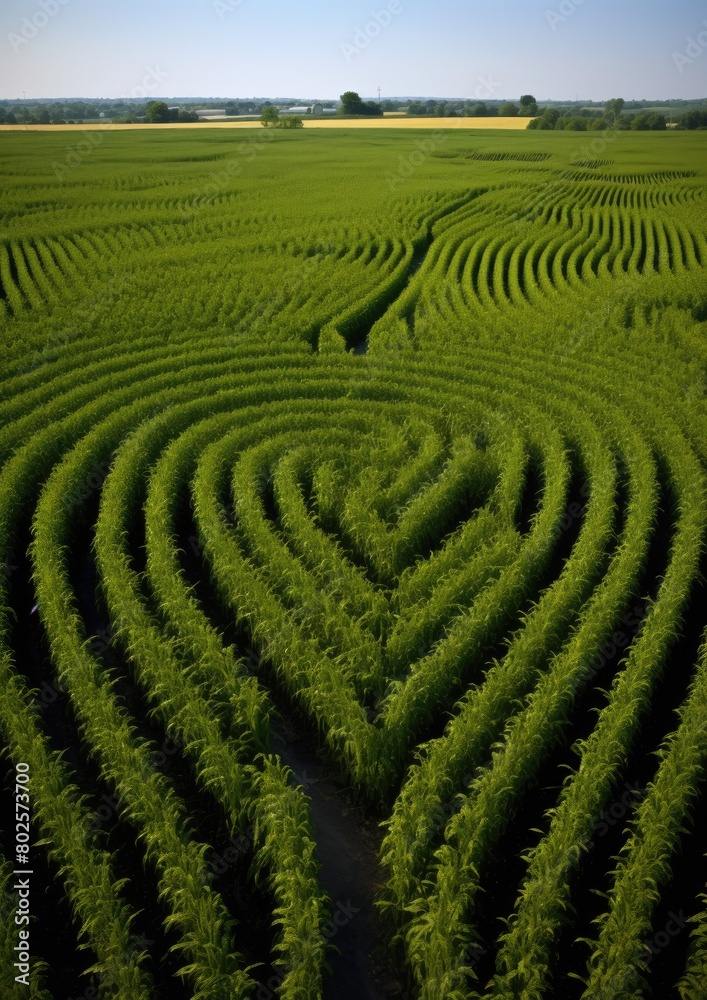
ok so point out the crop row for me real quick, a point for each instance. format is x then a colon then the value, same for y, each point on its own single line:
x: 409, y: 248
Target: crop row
x: 425, y: 550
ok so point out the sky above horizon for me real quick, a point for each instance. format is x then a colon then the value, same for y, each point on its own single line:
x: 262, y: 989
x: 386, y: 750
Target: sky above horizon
x: 561, y: 49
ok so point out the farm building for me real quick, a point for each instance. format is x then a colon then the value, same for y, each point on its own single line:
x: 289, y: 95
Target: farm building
x: 312, y: 109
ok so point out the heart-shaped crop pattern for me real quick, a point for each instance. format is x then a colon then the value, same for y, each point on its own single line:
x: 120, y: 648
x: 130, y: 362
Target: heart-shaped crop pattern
x: 415, y: 554
x: 371, y: 550
x: 353, y: 520
x: 368, y: 559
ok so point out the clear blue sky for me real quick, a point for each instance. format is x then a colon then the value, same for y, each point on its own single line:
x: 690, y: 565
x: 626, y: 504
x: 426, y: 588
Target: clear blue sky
x: 242, y: 48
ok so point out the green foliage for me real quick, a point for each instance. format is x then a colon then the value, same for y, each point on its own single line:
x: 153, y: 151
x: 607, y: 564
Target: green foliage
x: 528, y: 106
x: 403, y: 433
x: 693, y: 120
x: 614, y: 108
x: 270, y: 116
x: 351, y: 104
x: 157, y: 111
x: 290, y: 121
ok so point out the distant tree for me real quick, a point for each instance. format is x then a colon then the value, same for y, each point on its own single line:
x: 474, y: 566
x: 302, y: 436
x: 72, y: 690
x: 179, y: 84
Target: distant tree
x: 478, y: 110
x: 528, y: 106
x: 547, y: 122
x: 351, y: 104
x: 156, y: 112
x: 290, y: 121
x: 508, y: 110
x: 693, y: 120
x: 270, y: 116
x: 184, y: 116
x: 648, y: 122
x: 40, y: 115
x: 614, y: 108
x: 573, y: 123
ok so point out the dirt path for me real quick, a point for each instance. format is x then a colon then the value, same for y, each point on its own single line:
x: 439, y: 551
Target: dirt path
x: 347, y: 847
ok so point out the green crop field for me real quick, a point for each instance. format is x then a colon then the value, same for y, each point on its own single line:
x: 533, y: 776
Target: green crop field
x: 353, y: 519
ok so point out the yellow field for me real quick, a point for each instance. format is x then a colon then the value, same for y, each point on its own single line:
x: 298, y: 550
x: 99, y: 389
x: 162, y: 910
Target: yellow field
x: 428, y: 123
x: 433, y: 123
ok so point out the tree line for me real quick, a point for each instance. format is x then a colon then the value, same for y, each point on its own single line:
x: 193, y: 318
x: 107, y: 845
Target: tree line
x: 612, y: 116
x: 473, y: 109
x: 569, y: 116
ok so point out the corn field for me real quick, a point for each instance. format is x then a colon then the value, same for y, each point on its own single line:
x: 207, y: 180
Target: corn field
x: 395, y: 440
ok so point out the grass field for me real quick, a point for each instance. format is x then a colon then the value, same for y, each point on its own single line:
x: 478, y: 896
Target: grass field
x: 353, y: 518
